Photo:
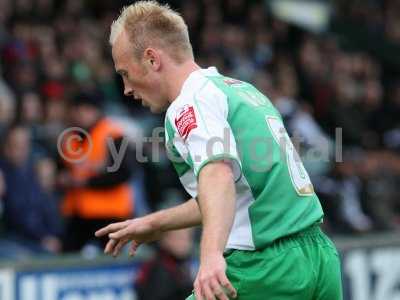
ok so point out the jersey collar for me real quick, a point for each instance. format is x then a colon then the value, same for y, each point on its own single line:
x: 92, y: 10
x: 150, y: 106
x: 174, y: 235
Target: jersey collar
x: 195, y: 78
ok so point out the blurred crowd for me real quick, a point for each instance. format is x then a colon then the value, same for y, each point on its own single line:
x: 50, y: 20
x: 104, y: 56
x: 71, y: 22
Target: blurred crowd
x: 56, y: 72
x: 378, y: 17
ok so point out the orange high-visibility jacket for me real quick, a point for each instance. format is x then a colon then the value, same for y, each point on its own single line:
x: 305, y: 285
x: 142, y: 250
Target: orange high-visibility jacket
x: 94, y: 203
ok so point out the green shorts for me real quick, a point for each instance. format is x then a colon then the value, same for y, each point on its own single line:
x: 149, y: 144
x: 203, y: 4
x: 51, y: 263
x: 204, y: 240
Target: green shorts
x: 303, y: 266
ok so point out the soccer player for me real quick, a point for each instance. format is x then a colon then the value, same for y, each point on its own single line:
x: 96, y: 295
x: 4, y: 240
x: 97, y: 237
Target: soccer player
x: 260, y: 216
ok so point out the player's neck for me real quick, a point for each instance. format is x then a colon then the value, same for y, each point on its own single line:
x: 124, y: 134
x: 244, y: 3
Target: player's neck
x: 178, y: 76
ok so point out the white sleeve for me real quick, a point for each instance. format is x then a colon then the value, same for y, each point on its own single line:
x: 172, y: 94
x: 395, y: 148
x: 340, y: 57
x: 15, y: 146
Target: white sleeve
x: 203, y: 130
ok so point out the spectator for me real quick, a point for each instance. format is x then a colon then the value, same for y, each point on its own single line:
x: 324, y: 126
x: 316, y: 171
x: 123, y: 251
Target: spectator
x: 167, y: 276
x: 94, y: 195
x: 30, y: 218
x: 45, y: 170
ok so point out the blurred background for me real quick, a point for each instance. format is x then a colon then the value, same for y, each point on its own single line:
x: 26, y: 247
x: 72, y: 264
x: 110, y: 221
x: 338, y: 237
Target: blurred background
x: 332, y: 68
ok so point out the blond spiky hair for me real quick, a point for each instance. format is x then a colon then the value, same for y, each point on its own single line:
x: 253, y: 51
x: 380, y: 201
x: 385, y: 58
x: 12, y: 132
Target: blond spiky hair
x: 149, y: 23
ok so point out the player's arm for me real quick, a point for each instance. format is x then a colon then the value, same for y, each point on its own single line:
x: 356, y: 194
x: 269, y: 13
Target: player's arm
x: 217, y: 206
x: 182, y: 216
x: 149, y: 228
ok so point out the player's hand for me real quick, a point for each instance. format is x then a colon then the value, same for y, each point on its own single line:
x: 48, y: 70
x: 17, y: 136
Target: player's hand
x: 211, y: 282
x: 138, y: 231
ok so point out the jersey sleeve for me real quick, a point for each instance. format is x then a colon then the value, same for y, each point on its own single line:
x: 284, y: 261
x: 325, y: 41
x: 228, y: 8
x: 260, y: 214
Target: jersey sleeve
x: 202, y: 130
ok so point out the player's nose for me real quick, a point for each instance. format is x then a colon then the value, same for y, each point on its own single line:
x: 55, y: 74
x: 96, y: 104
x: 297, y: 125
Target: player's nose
x: 128, y: 91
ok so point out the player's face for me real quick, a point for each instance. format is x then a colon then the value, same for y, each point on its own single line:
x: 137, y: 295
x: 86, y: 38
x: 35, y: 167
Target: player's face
x: 141, y: 80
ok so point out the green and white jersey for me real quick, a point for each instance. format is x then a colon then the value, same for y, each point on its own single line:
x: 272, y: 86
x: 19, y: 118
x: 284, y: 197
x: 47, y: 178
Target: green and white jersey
x: 220, y: 118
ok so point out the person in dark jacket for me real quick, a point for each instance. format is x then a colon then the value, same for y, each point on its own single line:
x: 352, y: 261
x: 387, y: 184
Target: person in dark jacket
x: 167, y: 276
x: 31, y: 219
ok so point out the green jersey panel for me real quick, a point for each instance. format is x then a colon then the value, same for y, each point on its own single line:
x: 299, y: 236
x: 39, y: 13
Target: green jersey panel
x: 284, y: 198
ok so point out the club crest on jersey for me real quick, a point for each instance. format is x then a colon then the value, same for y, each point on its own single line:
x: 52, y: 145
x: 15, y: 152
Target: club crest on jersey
x: 185, y: 121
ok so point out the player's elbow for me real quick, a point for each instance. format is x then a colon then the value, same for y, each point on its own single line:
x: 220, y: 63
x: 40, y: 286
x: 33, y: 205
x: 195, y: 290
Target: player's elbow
x: 217, y: 172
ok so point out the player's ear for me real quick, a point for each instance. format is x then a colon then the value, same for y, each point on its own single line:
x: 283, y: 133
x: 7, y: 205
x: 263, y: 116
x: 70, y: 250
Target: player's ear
x: 152, y: 59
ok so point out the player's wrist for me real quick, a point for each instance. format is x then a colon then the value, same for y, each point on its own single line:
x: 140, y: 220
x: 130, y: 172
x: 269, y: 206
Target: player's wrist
x: 211, y: 258
x: 210, y: 253
x: 156, y: 221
